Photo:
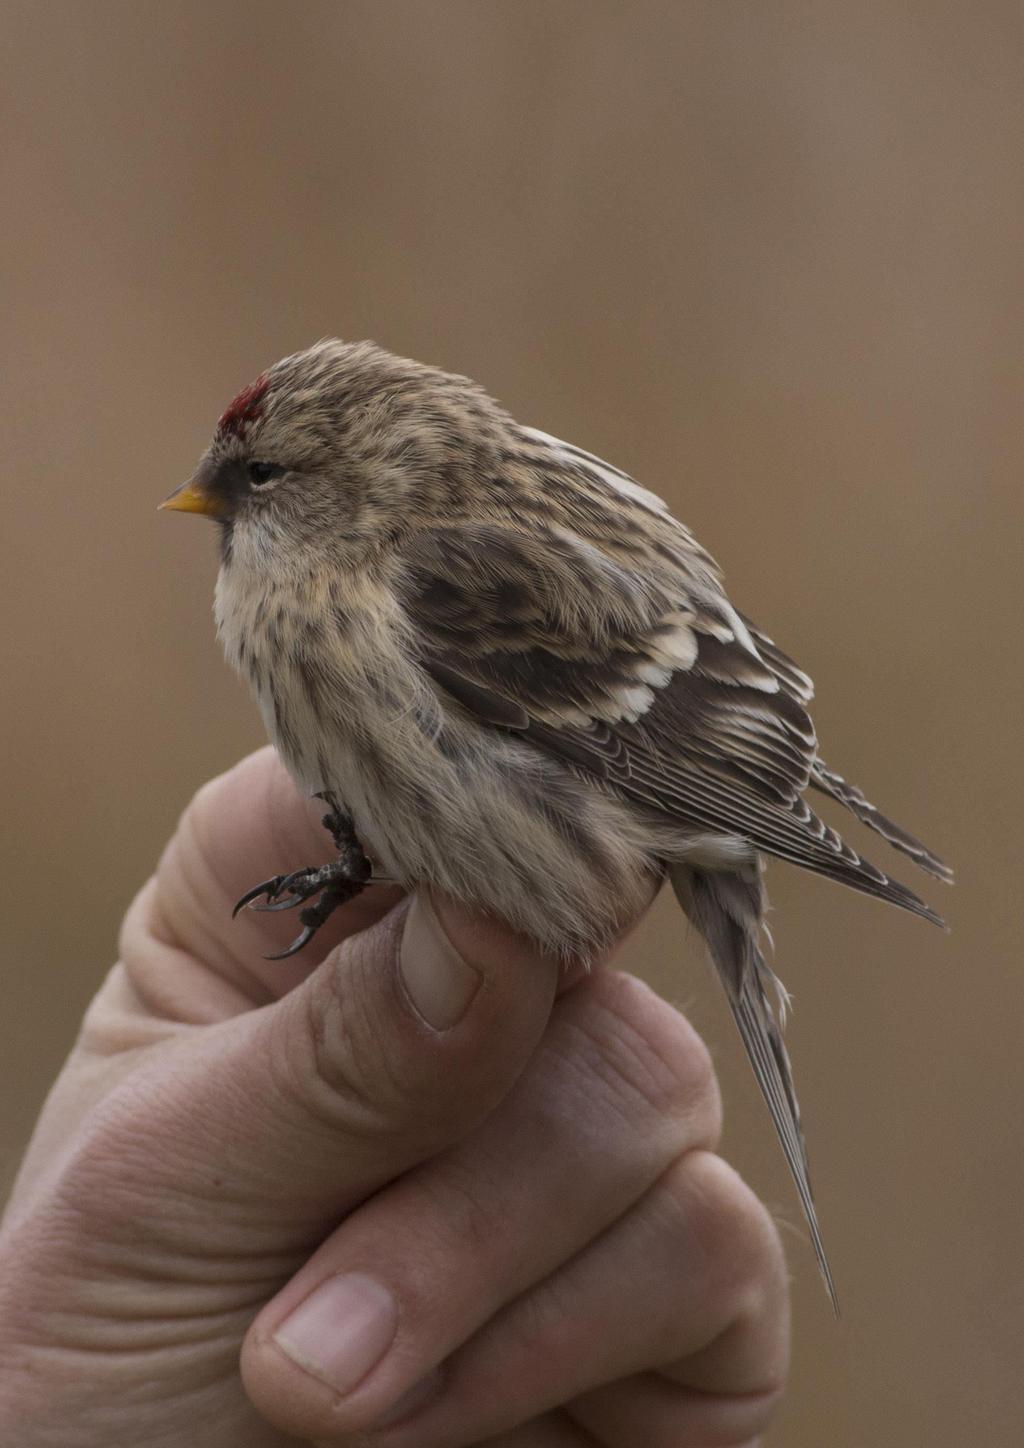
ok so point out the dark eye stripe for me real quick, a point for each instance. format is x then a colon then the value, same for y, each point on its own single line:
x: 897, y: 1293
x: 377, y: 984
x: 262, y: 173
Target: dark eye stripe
x: 261, y: 473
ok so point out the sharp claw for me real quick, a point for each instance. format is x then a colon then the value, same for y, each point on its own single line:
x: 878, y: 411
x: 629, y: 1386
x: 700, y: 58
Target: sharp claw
x: 268, y: 888
x: 296, y: 945
x: 334, y: 884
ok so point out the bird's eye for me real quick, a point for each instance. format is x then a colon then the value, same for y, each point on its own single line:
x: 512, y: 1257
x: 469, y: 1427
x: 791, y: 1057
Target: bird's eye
x: 262, y: 473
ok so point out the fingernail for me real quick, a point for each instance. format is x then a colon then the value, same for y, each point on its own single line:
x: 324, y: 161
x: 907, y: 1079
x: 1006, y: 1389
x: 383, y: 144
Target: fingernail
x: 342, y: 1330
x: 440, y: 984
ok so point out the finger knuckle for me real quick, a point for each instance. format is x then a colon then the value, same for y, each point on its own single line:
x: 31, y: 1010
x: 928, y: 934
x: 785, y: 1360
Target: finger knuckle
x: 738, y: 1242
x: 653, y: 1052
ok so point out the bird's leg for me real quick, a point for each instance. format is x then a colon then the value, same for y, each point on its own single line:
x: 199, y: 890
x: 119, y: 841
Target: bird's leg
x: 338, y: 822
x: 340, y: 825
x: 335, y: 883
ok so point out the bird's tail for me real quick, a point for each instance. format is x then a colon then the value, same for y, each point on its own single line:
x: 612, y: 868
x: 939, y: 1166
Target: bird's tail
x: 728, y: 909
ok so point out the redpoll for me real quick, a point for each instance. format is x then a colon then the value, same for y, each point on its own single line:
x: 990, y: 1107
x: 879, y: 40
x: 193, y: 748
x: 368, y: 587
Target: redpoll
x: 515, y: 676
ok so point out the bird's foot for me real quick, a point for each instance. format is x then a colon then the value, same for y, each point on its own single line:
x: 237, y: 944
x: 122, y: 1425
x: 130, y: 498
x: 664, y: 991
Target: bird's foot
x: 335, y: 884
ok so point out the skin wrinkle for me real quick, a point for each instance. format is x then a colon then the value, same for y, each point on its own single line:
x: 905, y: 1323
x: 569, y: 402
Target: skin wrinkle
x: 579, y: 1056
x: 122, y: 1130
x: 668, y: 1082
x: 154, y: 1334
x: 348, y: 1095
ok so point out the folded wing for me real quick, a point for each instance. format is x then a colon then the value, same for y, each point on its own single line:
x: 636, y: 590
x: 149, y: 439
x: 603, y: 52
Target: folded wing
x: 654, y: 685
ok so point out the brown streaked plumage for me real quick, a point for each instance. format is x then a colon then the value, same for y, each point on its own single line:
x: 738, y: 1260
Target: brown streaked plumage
x: 519, y: 673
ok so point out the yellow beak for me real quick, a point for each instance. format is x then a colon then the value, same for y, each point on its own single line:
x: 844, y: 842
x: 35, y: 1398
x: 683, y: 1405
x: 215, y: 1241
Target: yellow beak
x: 192, y: 497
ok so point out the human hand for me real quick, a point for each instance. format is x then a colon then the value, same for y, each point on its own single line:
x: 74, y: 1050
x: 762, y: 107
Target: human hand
x: 425, y: 1196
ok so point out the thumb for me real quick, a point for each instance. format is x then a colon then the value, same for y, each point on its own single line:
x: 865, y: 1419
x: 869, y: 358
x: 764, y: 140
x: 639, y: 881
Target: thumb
x: 407, y: 1037
x: 399, y: 1044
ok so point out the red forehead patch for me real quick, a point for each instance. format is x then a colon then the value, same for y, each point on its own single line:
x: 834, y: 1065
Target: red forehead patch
x: 245, y: 408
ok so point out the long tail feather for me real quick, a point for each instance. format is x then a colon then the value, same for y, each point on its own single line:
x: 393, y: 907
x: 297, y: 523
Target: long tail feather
x: 728, y: 910
x: 795, y: 834
x: 828, y: 782
x: 863, y: 875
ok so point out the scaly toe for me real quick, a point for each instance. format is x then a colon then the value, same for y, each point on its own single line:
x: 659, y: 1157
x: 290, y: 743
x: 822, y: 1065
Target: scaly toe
x: 294, y: 882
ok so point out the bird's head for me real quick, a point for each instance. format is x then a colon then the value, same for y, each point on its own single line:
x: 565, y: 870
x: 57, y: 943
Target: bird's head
x: 337, y: 450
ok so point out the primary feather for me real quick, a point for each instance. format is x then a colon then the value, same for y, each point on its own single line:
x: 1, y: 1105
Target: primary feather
x: 521, y: 674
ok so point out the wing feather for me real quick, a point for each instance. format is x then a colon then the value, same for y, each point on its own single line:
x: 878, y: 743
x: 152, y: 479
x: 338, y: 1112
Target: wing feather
x: 652, y: 683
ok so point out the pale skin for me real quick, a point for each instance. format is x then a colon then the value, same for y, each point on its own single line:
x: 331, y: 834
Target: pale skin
x: 503, y: 1179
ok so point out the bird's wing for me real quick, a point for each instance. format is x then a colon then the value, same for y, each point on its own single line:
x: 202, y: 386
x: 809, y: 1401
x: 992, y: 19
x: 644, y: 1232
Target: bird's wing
x: 790, y: 676
x: 656, y: 686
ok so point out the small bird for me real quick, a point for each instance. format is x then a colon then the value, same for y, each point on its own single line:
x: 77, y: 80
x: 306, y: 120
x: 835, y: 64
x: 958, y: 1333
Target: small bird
x: 513, y: 674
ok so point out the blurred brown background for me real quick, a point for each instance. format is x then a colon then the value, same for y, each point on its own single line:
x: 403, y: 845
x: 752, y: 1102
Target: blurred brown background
x: 766, y: 257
